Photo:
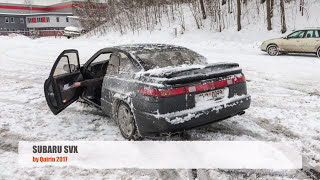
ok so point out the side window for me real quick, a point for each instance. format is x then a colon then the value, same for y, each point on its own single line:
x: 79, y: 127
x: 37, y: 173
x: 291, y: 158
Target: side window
x: 316, y: 34
x: 297, y: 34
x: 67, y: 64
x: 126, y: 65
x: 309, y: 34
x: 113, y: 66
x: 102, y: 58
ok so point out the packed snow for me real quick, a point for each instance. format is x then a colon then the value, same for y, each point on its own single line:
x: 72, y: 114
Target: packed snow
x: 285, y: 94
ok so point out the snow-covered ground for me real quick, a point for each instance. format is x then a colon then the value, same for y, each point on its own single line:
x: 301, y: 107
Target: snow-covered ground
x: 285, y: 102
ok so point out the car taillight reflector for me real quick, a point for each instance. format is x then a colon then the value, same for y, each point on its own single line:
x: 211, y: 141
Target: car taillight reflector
x: 190, y: 89
x: 214, y: 85
x: 162, y: 92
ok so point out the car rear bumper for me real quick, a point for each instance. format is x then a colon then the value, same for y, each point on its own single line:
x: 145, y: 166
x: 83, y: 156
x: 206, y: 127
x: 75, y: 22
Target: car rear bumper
x: 154, y: 125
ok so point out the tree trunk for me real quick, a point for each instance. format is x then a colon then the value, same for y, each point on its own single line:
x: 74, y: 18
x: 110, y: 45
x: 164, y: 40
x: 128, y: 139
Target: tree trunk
x: 269, y: 15
x: 204, y: 16
x: 301, y: 6
x: 283, y: 17
x: 239, y: 14
x: 229, y: 7
x: 272, y: 7
x: 224, y: 2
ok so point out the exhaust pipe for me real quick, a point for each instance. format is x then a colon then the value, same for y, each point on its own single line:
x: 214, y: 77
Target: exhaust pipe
x: 241, y: 113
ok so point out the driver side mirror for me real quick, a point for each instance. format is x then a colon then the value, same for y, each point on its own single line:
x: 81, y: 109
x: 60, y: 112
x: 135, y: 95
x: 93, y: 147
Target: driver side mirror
x: 71, y: 69
x: 285, y: 37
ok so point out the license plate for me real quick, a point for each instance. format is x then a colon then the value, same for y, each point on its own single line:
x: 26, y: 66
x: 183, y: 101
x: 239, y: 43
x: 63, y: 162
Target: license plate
x: 211, y: 95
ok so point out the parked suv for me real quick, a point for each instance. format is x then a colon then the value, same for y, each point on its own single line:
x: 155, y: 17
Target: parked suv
x: 300, y: 41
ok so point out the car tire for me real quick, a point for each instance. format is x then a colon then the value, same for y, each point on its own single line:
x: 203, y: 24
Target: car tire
x: 126, y: 122
x: 318, y: 52
x: 273, y: 50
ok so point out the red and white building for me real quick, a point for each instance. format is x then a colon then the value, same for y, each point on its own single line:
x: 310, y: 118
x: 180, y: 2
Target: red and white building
x: 24, y: 17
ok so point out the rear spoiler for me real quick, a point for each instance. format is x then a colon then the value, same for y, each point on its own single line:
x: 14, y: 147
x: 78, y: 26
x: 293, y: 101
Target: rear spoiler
x: 181, y: 76
x: 193, y: 78
x: 171, y: 72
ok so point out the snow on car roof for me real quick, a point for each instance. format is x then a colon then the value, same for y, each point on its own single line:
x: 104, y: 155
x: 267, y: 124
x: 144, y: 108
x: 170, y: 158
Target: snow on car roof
x: 134, y: 48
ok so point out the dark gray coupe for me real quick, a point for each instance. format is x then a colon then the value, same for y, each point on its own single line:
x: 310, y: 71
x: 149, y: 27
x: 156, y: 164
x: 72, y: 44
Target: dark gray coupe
x: 150, y: 89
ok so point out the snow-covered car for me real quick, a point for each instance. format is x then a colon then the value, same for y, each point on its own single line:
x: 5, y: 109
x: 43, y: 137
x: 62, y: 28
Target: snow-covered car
x: 300, y: 41
x: 150, y: 89
x: 72, y: 31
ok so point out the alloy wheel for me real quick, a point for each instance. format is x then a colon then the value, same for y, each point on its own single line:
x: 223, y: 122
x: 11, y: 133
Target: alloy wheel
x: 126, y: 121
x: 273, y: 50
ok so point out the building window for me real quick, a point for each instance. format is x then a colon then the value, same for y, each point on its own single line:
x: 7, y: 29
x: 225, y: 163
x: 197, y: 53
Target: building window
x: 67, y: 19
x: 7, y: 19
x: 48, y: 19
x: 22, y: 30
x: 12, y: 19
x: 58, y: 19
x: 39, y: 19
x: 21, y: 20
x: 29, y: 20
x: 13, y: 30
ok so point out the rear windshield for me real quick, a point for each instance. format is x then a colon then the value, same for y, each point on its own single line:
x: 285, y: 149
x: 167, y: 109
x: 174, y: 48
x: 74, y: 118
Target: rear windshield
x: 169, y: 57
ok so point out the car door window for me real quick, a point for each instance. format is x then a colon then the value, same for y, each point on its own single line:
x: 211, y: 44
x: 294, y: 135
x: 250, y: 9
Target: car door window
x: 309, y: 34
x: 101, y: 58
x: 98, y: 66
x: 297, y: 34
x: 67, y: 64
x: 113, y: 66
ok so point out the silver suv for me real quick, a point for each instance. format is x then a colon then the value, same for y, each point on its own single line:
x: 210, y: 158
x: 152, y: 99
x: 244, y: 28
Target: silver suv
x: 300, y: 41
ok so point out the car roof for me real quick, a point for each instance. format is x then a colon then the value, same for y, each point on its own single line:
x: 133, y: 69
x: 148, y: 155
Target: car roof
x: 136, y: 48
x: 308, y: 28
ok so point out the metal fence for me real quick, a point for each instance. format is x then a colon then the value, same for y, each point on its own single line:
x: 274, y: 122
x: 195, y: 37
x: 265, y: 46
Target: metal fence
x: 34, y: 33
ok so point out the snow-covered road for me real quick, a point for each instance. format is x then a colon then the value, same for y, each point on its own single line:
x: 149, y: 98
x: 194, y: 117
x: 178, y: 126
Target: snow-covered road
x: 285, y: 102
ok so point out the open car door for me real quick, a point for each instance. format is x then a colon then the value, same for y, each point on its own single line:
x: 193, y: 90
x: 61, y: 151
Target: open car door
x: 65, y: 71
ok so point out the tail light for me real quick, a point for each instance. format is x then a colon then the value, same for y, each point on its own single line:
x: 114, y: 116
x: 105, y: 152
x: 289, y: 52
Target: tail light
x: 162, y: 92
x: 149, y: 91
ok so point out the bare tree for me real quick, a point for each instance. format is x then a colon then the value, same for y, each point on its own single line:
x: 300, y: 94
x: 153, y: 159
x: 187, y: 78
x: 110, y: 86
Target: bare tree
x: 229, y: 6
x: 301, y: 6
x: 272, y: 7
x: 269, y: 15
x: 283, y: 17
x: 204, y: 16
x: 239, y: 14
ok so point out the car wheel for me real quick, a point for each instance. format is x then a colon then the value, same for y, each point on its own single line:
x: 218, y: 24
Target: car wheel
x: 318, y: 52
x: 273, y: 50
x: 126, y: 121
